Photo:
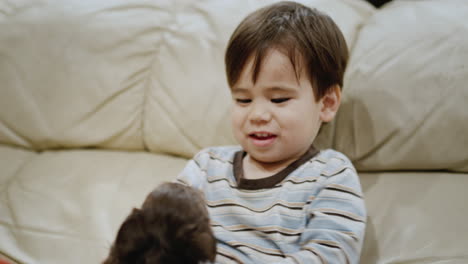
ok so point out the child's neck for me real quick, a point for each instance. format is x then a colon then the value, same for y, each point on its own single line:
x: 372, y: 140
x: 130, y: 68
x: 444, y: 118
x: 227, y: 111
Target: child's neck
x: 254, y: 169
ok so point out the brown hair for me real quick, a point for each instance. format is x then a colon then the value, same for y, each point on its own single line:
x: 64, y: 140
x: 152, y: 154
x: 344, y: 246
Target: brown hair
x: 307, y: 36
x: 171, y: 227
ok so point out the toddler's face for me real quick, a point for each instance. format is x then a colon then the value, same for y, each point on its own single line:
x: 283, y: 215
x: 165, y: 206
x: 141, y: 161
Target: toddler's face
x: 276, y: 118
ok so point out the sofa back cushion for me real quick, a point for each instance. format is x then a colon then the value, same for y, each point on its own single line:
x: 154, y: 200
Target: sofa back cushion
x: 74, y: 74
x: 188, y: 106
x: 125, y: 75
x: 406, y: 96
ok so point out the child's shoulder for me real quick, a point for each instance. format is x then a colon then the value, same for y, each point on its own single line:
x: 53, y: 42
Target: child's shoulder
x: 220, y: 153
x: 332, y: 162
x: 327, y: 155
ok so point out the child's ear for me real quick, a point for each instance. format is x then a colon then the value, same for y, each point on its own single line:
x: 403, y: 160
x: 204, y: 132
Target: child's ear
x: 330, y: 103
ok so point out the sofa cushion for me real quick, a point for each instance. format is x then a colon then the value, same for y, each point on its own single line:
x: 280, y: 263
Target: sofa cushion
x: 12, y: 161
x: 405, y: 97
x: 415, y: 218
x: 188, y: 104
x: 64, y: 204
x: 75, y: 74
x: 71, y: 203
x: 120, y: 75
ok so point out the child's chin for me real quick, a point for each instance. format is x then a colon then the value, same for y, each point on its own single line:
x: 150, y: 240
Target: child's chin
x: 265, y: 158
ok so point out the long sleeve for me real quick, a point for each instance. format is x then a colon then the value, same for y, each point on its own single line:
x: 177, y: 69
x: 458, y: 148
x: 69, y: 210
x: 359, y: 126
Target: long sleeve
x: 192, y: 174
x: 336, y: 220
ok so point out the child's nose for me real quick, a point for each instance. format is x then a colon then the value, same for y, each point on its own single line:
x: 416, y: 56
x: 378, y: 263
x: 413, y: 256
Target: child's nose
x: 260, y: 114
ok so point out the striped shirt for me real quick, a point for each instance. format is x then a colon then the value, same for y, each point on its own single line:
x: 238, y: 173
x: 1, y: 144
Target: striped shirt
x: 310, y: 212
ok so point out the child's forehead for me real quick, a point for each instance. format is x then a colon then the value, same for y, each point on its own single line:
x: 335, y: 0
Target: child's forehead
x: 275, y: 89
x: 275, y: 65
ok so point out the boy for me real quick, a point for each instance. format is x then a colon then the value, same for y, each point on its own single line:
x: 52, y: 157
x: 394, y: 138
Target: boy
x: 171, y: 227
x: 277, y: 199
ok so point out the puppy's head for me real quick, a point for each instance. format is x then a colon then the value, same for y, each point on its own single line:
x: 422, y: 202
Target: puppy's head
x: 171, y: 227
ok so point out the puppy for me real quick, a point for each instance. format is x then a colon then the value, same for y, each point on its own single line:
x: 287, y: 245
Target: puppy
x: 172, y: 227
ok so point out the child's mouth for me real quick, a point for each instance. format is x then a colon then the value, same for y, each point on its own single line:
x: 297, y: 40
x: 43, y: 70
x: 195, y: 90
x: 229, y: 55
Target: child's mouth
x: 262, y: 139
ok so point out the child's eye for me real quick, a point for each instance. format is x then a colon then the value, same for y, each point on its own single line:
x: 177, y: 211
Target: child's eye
x: 243, y: 101
x: 279, y: 100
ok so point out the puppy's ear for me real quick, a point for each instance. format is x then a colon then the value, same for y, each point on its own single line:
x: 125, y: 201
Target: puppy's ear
x: 205, y: 244
x: 132, y: 241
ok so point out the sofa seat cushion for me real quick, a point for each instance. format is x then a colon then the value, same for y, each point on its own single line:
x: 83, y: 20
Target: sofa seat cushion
x: 415, y: 218
x: 62, y: 204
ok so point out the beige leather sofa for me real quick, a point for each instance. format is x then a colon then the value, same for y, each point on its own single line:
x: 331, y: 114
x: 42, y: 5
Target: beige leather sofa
x: 102, y: 100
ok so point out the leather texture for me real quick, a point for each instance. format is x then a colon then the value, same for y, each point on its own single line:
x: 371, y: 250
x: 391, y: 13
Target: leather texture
x: 100, y: 101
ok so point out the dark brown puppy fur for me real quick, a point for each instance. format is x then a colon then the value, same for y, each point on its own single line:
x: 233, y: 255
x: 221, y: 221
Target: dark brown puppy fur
x: 171, y: 227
